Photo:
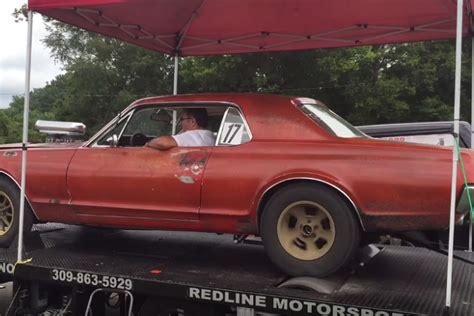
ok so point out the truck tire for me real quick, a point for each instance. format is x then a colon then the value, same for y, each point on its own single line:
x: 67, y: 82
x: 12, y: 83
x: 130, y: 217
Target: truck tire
x: 309, y: 230
x: 10, y: 213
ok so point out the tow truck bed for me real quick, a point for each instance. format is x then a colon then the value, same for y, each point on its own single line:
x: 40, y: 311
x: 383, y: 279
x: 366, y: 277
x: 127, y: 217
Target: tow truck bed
x: 211, y: 269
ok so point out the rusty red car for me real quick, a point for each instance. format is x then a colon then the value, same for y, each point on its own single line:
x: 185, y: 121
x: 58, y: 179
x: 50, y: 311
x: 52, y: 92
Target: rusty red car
x: 285, y: 168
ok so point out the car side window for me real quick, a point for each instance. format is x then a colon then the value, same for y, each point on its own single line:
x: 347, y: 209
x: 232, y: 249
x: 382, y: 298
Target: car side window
x: 234, y: 129
x: 146, y: 124
x: 150, y: 122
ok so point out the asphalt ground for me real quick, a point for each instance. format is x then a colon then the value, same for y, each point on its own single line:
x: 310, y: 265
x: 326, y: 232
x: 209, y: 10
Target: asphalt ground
x: 5, y: 297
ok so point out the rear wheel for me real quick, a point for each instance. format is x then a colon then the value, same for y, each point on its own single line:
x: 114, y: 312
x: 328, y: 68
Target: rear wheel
x: 10, y: 213
x: 309, y: 230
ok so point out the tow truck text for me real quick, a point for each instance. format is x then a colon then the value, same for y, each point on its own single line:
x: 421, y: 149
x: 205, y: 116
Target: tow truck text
x: 283, y: 304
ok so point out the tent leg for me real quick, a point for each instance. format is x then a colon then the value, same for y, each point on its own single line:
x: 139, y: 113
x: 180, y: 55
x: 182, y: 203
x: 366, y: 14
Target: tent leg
x: 457, y: 98
x: 472, y: 133
x: 26, y: 110
x: 175, y: 78
x: 175, y: 90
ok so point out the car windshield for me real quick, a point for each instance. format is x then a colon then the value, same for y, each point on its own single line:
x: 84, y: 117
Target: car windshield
x: 331, y: 121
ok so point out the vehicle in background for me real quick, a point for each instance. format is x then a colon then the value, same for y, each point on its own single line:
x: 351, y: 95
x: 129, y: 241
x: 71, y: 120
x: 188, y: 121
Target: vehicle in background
x: 432, y: 133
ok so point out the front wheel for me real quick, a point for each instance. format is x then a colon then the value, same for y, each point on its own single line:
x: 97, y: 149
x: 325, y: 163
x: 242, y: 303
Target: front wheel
x: 10, y: 213
x: 309, y: 230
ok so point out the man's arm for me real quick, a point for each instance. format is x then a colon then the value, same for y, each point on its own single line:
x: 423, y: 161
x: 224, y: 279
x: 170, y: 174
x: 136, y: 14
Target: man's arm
x: 162, y: 143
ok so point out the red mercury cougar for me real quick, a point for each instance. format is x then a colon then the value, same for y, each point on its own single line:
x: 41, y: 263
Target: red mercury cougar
x: 285, y: 168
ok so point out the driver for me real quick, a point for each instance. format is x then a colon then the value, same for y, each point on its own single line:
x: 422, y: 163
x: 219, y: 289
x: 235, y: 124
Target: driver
x: 193, y: 132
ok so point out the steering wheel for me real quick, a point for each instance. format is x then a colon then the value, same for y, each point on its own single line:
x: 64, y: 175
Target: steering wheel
x: 138, y: 139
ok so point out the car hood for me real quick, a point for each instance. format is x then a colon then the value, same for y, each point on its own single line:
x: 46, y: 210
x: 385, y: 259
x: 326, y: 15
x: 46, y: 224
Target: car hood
x: 42, y: 145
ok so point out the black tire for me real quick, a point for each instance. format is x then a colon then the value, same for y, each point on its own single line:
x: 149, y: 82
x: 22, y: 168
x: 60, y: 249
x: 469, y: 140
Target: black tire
x: 10, y: 202
x: 324, y: 213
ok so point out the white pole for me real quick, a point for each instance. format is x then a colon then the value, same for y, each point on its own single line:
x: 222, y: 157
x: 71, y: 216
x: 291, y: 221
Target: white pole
x: 457, y: 98
x: 175, y: 90
x: 472, y: 131
x: 26, y: 110
x: 175, y: 79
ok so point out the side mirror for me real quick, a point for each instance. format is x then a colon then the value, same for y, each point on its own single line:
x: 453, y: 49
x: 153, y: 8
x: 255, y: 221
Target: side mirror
x: 113, y: 140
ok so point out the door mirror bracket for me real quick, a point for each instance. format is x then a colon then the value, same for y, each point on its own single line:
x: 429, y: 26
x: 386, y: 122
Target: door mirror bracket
x: 113, y: 140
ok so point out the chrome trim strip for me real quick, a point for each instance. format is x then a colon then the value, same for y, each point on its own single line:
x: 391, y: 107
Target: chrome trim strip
x: 18, y: 185
x: 129, y: 114
x: 321, y: 181
x: 221, y: 127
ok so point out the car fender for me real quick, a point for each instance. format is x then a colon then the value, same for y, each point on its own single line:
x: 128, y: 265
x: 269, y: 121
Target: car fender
x: 9, y: 176
x: 304, y: 176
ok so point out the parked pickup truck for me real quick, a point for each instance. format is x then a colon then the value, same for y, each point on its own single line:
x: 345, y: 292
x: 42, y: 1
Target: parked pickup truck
x: 433, y: 133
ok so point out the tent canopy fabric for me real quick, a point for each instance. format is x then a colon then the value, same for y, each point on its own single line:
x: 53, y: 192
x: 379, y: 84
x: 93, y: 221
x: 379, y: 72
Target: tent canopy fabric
x: 207, y: 27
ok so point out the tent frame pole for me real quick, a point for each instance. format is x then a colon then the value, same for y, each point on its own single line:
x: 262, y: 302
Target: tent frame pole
x: 175, y: 90
x: 175, y: 78
x: 472, y: 132
x: 26, y: 110
x: 457, y: 99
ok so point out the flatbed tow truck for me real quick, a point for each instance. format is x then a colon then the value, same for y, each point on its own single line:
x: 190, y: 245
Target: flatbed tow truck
x: 73, y: 270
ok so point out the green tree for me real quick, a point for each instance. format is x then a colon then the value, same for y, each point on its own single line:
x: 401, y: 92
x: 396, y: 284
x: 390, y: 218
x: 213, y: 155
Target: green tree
x: 366, y: 85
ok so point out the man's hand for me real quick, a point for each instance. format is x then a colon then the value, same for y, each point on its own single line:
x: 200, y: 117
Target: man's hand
x: 162, y: 143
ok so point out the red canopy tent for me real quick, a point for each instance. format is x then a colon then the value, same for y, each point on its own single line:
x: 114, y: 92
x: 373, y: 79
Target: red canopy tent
x: 205, y: 27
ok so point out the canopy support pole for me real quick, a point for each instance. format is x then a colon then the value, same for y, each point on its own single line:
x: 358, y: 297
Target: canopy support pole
x: 175, y: 78
x: 175, y: 90
x: 26, y: 110
x: 472, y: 131
x: 457, y: 99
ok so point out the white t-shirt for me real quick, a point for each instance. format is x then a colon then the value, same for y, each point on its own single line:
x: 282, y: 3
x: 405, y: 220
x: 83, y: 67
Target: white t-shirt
x: 195, y: 138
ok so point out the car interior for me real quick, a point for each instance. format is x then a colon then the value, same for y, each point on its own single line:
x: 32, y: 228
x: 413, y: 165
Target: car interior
x: 145, y: 123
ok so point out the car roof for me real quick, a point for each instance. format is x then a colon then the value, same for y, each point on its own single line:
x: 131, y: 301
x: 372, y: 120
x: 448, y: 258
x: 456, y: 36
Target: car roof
x: 270, y: 117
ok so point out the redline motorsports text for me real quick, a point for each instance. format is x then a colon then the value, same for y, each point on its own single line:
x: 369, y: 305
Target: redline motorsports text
x: 7, y: 267
x: 282, y: 304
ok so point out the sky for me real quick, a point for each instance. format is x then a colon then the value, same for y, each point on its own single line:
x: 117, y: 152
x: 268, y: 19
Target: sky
x: 13, y: 54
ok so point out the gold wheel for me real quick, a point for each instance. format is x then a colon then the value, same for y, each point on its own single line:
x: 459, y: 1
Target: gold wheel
x: 306, y: 230
x: 6, y: 214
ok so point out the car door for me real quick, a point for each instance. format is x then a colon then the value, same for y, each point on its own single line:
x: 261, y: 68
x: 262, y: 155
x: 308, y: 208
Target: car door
x: 232, y: 175
x: 132, y: 186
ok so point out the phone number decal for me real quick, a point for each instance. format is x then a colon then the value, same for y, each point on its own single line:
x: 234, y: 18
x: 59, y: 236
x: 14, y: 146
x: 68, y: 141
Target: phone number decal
x: 84, y: 278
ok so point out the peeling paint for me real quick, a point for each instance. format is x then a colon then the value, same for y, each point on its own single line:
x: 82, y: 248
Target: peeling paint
x: 179, y: 152
x: 186, y: 179
x: 191, y: 165
x: 9, y: 153
x: 197, y: 168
